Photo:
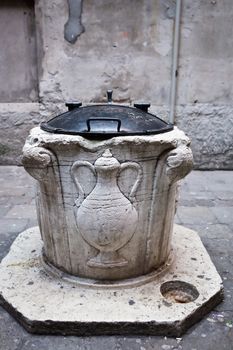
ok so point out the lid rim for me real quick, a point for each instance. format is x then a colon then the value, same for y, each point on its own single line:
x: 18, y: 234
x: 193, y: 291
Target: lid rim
x: 44, y: 126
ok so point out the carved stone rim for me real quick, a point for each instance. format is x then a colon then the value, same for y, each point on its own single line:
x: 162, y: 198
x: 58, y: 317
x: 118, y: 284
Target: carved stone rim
x: 99, y: 284
x: 39, y: 137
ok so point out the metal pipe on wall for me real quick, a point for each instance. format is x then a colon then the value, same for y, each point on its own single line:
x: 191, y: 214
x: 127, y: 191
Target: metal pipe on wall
x: 175, y: 56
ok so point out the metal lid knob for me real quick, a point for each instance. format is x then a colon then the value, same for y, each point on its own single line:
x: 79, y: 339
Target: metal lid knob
x: 109, y: 95
x: 73, y: 105
x: 143, y: 106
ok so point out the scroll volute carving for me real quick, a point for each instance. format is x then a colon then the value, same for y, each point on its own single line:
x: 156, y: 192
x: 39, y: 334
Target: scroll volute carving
x: 37, y: 161
x: 179, y: 163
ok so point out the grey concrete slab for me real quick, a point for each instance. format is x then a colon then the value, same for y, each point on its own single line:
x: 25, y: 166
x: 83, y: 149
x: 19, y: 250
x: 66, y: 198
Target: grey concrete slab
x: 194, y: 182
x: 213, y: 231
x: 224, y: 194
x: 208, y: 198
x: 220, y: 177
x: 4, y: 200
x: 21, y: 212
x: 196, y: 215
x: 4, y: 208
x: 28, y: 198
x: 14, y: 191
x: 223, y: 214
x: 9, y: 226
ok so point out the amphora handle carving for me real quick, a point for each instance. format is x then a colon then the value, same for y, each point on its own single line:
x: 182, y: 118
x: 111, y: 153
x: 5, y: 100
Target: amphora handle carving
x: 106, y: 163
x: 75, y: 166
x: 138, y: 168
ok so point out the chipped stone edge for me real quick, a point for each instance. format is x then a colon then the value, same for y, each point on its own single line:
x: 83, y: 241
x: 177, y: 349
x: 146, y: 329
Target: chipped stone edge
x: 171, y: 329
x: 39, y: 137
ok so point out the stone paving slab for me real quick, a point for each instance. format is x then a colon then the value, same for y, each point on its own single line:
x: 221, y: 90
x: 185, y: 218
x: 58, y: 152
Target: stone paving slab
x: 208, y: 189
x: 21, y: 211
x: 4, y: 209
x: 8, y: 226
x: 224, y: 215
x: 213, y: 231
x: 198, y: 215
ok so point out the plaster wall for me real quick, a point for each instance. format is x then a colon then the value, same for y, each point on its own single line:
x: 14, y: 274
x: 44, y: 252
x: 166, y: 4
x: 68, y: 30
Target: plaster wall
x: 127, y: 46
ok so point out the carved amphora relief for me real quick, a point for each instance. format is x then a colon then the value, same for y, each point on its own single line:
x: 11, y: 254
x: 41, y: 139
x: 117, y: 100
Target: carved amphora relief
x: 106, y: 218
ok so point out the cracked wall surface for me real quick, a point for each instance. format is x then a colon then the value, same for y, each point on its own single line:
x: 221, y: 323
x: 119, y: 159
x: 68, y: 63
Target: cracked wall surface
x: 127, y: 46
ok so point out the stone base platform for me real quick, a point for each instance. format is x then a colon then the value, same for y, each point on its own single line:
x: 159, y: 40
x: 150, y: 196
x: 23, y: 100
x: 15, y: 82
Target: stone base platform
x: 45, y: 303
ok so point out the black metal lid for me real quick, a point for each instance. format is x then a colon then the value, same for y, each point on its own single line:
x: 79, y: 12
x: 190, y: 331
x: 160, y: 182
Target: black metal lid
x: 106, y: 120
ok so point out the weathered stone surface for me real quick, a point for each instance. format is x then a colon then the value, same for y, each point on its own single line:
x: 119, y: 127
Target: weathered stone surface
x: 43, y: 303
x: 106, y: 207
x: 16, y: 121
x: 119, y: 44
x: 210, y: 128
x: 214, y: 331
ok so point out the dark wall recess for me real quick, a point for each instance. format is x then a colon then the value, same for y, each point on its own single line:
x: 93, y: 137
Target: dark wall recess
x: 18, y: 63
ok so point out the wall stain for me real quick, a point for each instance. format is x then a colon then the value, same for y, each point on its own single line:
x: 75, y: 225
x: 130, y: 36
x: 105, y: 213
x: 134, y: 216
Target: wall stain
x: 74, y: 27
x: 4, y: 149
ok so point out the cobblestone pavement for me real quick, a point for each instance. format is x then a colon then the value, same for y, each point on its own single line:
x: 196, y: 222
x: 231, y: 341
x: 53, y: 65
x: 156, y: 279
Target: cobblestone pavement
x: 206, y: 205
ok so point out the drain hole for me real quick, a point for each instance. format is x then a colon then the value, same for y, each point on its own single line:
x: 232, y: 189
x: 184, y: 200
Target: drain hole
x: 179, y: 292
